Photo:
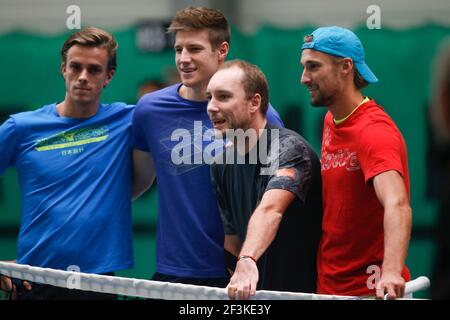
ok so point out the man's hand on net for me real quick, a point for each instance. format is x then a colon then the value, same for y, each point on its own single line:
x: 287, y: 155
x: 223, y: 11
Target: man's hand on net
x: 9, y: 288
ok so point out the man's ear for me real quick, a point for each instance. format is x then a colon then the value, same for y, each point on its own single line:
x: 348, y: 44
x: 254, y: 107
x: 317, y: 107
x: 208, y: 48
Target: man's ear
x: 109, y: 75
x: 63, y: 68
x: 347, y: 66
x: 255, y: 103
x: 223, y: 50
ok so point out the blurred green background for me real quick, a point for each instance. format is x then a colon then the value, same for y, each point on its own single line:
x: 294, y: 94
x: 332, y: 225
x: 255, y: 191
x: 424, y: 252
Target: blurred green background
x: 401, y: 59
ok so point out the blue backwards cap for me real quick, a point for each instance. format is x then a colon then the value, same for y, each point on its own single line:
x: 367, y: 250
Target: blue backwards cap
x: 342, y: 43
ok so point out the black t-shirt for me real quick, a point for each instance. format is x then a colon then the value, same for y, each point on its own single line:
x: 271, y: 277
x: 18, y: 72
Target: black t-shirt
x: 289, y: 263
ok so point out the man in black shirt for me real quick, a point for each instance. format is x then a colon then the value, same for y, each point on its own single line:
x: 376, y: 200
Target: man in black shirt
x: 268, y: 187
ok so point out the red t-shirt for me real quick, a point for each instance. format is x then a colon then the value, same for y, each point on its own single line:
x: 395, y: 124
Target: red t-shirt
x: 353, y: 153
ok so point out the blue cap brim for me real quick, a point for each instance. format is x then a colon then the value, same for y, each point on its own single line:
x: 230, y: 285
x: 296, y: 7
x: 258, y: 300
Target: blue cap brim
x: 365, y: 72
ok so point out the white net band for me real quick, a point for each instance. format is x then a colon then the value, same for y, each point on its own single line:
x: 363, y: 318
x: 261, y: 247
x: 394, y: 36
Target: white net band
x: 156, y: 289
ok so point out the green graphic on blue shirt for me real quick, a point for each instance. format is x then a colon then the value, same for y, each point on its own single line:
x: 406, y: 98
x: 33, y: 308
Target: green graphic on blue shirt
x: 73, y: 138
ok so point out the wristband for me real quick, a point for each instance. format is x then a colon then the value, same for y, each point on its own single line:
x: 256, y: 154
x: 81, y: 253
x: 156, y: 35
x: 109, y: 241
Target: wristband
x: 246, y: 257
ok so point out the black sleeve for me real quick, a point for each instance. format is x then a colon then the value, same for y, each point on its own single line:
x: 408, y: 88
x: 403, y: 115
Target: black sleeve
x: 294, y: 172
x: 218, y: 186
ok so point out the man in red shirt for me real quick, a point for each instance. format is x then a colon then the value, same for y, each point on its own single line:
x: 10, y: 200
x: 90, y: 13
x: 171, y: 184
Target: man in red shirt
x: 367, y: 215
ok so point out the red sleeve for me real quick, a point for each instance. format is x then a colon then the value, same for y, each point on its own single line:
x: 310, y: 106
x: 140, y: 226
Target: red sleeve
x: 379, y: 150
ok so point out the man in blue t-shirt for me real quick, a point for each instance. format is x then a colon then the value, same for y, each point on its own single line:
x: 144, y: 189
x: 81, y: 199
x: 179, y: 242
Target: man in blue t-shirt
x: 73, y: 161
x: 172, y: 126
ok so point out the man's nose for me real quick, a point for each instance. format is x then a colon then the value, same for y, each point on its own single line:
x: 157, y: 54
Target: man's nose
x: 83, y: 75
x: 185, y: 56
x: 212, y: 106
x: 305, y: 79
